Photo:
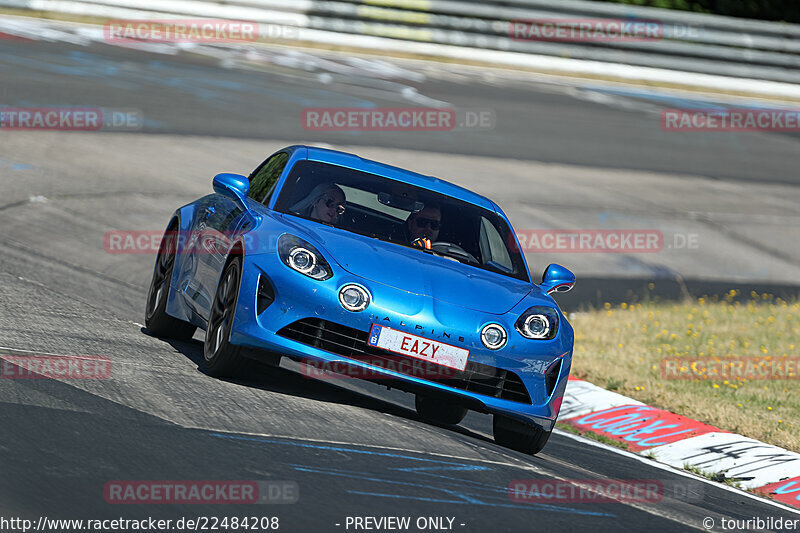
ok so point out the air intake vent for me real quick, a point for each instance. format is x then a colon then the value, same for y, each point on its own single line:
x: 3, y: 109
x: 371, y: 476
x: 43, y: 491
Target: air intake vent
x: 352, y: 344
x: 551, y: 377
x: 265, y: 294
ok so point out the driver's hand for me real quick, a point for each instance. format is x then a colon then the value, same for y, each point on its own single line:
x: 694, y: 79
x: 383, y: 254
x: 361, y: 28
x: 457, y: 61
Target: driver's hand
x: 422, y: 242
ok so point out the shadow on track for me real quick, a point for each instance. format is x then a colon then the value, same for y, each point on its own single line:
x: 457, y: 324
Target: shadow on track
x: 281, y: 380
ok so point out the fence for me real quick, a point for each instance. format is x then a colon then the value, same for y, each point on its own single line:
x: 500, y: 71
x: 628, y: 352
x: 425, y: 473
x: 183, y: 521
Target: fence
x: 688, y: 42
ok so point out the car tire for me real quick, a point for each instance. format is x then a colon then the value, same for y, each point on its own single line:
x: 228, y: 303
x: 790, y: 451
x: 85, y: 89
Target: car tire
x: 156, y: 320
x: 223, y: 359
x: 439, y: 410
x: 518, y: 435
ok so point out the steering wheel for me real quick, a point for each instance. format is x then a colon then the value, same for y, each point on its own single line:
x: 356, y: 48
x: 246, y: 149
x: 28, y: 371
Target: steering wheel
x: 453, y: 250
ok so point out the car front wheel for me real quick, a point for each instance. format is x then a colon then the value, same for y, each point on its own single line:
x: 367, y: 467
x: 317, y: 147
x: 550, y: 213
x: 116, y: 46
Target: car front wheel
x: 518, y: 435
x: 222, y: 358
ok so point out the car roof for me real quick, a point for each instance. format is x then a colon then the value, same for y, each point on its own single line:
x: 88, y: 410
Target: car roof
x: 432, y: 183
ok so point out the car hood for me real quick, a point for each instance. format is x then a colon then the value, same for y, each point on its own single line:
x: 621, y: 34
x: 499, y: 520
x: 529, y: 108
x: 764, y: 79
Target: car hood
x: 417, y: 272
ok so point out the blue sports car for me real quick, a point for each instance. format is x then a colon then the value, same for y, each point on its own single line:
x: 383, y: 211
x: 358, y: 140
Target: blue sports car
x: 360, y: 267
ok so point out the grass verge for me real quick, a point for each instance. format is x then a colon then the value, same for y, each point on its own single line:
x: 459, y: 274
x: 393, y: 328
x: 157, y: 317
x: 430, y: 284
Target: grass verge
x: 621, y: 348
x: 594, y: 436
x: 718, y: 477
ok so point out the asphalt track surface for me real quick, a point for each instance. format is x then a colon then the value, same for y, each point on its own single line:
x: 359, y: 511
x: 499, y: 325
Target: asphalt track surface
x: 354, y: 449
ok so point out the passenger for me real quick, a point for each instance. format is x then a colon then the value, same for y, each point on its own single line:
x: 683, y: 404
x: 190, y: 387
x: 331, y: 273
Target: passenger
x: 325, y: 203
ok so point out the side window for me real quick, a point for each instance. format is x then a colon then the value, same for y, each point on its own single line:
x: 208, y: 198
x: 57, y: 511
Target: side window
x: 263, y: 180
x: 493, y: 249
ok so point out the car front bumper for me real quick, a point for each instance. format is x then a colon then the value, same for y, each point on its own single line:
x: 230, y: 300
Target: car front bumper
x: 299, y: 299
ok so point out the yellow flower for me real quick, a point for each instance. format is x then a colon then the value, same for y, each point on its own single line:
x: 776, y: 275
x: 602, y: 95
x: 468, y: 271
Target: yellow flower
x: 715, y: 386
x: 769, y: 408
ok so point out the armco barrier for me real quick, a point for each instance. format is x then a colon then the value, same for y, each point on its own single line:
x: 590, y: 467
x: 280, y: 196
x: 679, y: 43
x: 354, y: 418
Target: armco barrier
x: 690, y: 42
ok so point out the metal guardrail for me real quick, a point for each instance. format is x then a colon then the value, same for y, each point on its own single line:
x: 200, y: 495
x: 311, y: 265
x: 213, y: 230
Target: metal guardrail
x: 690, y: 42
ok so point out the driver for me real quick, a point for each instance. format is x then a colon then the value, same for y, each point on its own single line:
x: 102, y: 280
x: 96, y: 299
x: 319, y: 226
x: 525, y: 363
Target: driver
x: 423, y: 226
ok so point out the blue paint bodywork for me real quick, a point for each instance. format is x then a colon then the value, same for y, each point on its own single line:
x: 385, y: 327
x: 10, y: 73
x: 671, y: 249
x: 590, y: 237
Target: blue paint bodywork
x: 409, y: 289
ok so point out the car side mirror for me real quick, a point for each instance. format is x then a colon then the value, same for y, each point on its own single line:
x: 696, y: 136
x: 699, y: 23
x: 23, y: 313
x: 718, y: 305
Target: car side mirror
x: 556, y: 278
x: 234, y: 186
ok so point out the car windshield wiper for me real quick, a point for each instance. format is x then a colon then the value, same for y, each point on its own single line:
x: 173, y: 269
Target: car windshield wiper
x: 461, y: 258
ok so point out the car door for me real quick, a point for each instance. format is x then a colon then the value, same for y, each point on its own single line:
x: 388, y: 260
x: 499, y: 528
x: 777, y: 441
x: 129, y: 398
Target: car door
x: 222, y: 220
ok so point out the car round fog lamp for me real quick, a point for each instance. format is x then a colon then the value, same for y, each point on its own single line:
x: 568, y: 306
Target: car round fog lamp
x: 493, y: 336
x: 537, y: 326
x: 353, y: 298
x: 302, y: 260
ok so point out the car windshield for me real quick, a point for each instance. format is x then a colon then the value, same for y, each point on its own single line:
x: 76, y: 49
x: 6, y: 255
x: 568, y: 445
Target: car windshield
x: 403, y: 214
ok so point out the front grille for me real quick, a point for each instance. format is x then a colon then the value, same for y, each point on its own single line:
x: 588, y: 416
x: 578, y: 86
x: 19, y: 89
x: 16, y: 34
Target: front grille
x: 352, y: 344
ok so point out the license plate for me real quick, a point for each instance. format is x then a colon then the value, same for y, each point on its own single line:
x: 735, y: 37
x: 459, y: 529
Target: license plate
x: 403, y: 343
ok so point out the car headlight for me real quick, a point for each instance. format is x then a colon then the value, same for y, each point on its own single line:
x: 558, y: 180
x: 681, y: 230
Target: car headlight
x: 493, y: 336
x: 354, y: 297
x: 539, y: 322
x: 301, y: 256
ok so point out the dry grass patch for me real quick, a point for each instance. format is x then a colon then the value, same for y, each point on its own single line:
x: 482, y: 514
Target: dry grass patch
x: 621, y: 349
